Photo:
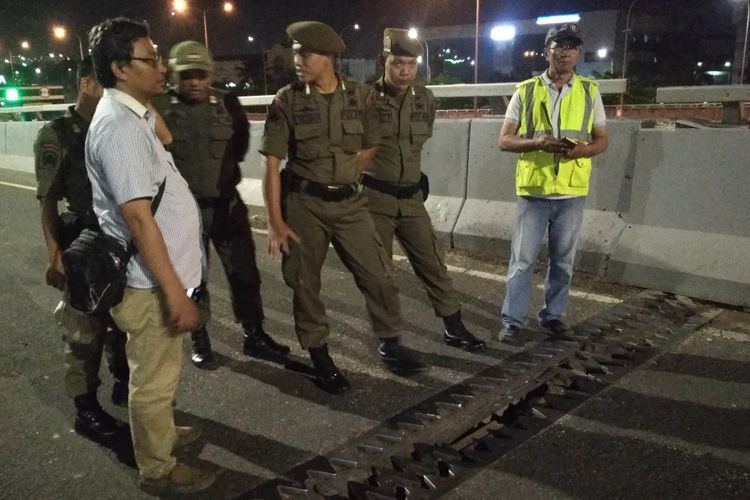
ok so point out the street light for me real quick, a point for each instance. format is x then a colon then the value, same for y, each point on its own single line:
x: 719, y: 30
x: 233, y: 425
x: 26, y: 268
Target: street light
x: 503, y: 32
x: 251, y: 39
x: 181, y: 7
x: 602, y: 54
x: 61, y: 33
x: 414, y: 35
x: 25, y: 45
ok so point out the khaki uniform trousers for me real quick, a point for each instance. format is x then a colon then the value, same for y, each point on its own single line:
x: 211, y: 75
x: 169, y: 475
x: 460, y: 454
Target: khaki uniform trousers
x: 417, y: 238
x: 348, y: 226
x: 155, y: 360
x: 87, y: 338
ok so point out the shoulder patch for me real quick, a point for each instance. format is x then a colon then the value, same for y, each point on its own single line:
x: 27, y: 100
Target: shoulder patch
x: 50, y: 156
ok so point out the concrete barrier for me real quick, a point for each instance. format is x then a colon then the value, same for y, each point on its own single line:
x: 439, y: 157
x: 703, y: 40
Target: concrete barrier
x: 251, y: 186
x: 444, y: 160
x: 486, y: 221
x: 18, y: 150
x: 667, y: 209
x: 687, y: 228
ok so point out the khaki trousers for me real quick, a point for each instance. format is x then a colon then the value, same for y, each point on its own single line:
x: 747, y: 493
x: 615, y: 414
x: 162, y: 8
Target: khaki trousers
x: 155, y: 361
x: 348, y: 226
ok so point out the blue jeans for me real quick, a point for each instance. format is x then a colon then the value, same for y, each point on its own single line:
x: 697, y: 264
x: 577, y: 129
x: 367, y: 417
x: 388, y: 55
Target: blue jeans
x: 561, y: 219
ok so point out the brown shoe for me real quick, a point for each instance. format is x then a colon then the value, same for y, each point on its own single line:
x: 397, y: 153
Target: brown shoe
x: 186, y: 435
x: 182, y: 479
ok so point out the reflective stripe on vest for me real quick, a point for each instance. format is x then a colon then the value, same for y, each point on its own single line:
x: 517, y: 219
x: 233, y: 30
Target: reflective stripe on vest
x: 535, y: 171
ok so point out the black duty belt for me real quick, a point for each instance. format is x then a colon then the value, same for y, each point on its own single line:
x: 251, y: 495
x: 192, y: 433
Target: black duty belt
x: 399, y: 191
x: 326, y: 192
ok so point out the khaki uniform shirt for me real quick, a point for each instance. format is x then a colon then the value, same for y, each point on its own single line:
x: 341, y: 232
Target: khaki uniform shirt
x: 405, y: 123
x: 209, y: 140
x: 60, y: 165
x: 321, y: 139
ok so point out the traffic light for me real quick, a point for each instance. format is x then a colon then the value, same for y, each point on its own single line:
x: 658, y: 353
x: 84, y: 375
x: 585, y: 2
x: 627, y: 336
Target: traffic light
x: 11, y: 94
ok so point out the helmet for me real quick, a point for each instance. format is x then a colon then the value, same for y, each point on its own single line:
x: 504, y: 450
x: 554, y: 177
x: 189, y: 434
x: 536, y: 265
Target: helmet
x: 190, y: 55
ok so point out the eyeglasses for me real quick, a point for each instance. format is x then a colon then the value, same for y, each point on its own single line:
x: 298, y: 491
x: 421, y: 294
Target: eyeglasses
x: 565, y: 46
x: 153, y: 61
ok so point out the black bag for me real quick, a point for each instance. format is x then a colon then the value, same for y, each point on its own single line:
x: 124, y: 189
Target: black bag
x: 96, y: 268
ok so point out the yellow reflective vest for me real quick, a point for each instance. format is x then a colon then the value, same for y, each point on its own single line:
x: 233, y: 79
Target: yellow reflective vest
x: 535, y: 170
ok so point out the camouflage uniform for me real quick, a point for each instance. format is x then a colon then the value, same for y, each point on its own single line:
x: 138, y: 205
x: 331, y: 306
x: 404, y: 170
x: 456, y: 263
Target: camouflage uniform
x: 61, y: 174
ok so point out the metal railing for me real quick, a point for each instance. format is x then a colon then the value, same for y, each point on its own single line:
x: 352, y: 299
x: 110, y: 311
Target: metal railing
x: 615, y: 86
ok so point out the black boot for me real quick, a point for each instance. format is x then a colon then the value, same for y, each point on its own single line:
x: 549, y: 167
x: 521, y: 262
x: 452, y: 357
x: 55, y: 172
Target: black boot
x: 202, y: 354
x: 120, y: 393
x: 258, y: 344
x: 328, y: 377
x: 95, y: 423
x: 456, y: 334
x: 398, y: 358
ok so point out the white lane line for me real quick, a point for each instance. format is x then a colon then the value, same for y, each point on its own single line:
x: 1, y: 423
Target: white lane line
x: 604, y: 299
x: 19, y: 186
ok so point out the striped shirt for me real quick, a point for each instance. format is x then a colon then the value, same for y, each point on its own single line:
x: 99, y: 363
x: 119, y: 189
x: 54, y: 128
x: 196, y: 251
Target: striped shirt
x: 125, y: 161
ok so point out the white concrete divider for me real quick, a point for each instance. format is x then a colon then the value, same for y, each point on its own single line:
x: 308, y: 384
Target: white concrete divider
x: 486, y: 221
x: 18, y: 145
x: 444, y: 159
x: 687, y: 230
x: 251, y: 187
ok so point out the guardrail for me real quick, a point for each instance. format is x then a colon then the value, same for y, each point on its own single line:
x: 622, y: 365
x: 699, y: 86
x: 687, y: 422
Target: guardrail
x: 616, y: 86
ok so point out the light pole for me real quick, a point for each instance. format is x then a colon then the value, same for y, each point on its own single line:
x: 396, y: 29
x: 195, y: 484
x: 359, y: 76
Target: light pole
x: 744, y: 46
x: 60, y: 33
x: 602, y: 54
x: 625, y: 50
x: 476, y: 52
x: 251, y: 39
x: 414, y: 35
x: 181, y: 7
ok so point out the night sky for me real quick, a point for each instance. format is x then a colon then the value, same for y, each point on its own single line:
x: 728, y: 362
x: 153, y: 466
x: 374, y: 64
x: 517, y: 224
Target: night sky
x: 265, y: 20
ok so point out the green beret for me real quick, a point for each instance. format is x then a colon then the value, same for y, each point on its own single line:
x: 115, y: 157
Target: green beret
x: 397, y: 42
x: 316, y: 36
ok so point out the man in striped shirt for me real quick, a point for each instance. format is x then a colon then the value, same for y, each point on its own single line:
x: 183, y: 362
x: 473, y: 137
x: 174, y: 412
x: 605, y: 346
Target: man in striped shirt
x: 126, y: 163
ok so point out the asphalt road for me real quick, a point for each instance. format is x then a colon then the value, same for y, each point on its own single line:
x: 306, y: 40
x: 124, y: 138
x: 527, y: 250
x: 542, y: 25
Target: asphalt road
x: 677, y: 428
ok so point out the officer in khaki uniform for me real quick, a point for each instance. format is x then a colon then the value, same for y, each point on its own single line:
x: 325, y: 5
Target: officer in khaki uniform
x: 328, y: 129
x: 61, y: 174
x: 210, y: 136
x: 395, y: 185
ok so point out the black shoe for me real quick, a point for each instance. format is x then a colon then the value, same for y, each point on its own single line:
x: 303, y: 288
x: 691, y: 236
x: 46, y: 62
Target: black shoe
x: 328, y: 377
x: 202, y: 354
x: 258, y: 344
x: 95, y: 423
x: 456, y: 334
x: 555, y: 327
x: 509, y: 333
x: 398, y: 358
x: 120, y: 393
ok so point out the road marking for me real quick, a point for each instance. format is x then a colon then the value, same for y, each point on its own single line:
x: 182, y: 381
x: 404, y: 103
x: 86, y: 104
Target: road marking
x: 20, y: 186
x: 594, y: 297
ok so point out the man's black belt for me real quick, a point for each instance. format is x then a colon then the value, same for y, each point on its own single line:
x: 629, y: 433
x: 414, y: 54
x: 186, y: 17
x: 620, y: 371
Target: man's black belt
x: 326, y: 192
x: 399, y: 191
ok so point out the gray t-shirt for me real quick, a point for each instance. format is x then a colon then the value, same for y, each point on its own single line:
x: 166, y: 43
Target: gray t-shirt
x: 125, y: 161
